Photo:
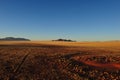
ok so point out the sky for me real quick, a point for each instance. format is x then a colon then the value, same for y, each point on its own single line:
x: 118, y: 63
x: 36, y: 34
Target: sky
x: 81, y: 20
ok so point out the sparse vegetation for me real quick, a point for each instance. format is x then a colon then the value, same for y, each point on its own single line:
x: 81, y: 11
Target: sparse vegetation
x: 33, y: 61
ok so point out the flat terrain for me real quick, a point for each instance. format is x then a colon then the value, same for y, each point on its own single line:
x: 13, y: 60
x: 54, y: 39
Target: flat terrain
x: 47, y: 60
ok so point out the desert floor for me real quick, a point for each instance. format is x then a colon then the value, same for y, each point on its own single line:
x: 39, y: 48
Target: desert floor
x: 47, y: 60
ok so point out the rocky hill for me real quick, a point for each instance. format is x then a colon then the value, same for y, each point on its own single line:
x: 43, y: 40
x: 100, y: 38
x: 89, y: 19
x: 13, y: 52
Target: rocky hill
x: 13, y: 39
x: 65, y: 40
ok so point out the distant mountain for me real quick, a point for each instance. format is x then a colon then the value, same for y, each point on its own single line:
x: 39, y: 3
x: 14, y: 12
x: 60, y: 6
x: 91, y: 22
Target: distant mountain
x: 13, y: 39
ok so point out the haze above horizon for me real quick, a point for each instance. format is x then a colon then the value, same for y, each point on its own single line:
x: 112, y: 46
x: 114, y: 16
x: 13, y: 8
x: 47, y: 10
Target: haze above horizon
x: 81, y: 20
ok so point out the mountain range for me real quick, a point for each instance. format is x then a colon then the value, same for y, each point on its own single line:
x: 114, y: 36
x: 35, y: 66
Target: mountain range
x: 13, y: 39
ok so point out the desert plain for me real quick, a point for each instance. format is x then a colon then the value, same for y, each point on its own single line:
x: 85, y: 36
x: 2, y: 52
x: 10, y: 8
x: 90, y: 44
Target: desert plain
x: 54, y: 60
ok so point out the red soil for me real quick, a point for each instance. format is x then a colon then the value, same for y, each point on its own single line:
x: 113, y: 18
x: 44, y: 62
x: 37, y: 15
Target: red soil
x: 98, y: 64
x: 103, y: 65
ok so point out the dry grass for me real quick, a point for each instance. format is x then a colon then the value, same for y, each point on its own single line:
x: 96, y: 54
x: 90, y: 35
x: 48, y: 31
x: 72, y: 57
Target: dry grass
x: 59, y: 60
x: 78, y: 44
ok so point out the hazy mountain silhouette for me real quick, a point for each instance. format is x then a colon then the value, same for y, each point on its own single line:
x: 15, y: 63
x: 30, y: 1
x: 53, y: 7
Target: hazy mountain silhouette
x: 13, y: 39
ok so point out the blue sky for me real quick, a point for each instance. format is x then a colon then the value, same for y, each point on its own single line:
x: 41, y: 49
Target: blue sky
x: 82, y: 20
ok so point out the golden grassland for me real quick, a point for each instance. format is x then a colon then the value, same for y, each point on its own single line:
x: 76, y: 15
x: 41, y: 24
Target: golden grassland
x: 62, y: 43
x: 52, y: 60
x: 107, y: 45
x: 96, y: 44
